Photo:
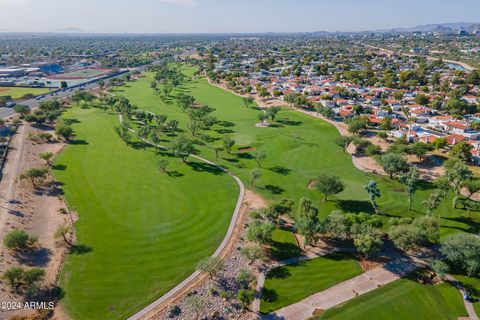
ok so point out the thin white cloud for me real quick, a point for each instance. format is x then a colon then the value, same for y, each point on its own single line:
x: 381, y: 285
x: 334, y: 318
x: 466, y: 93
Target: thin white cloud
x: 183, y: 3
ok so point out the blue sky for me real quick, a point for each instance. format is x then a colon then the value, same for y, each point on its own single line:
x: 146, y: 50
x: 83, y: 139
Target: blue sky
x: 192, y: 16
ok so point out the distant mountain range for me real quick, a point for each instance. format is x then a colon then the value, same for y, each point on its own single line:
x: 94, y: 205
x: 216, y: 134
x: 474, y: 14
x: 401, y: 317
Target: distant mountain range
x: 454, y: 27
x: 68, y: 30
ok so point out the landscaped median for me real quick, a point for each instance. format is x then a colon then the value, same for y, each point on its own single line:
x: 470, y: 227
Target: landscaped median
x: 403, y: 299
x: 289, y: 284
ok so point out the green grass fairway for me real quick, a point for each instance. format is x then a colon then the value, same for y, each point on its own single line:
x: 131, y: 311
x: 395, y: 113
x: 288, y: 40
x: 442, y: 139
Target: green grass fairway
x: 284, y: 245
x: 473, y: 287
x: 403, y: 299
x: 293, y: 283
x: 298, y: 148
x: 18, y: 93
x: 146, y: 230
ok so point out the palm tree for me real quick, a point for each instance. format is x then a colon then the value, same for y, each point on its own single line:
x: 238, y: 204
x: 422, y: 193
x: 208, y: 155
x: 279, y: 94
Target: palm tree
x: 373, y: 193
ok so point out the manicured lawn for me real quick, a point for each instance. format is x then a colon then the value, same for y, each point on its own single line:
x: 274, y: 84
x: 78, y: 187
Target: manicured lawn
x: 17, y: 93
x: 473, y: 287
x: 290, y: 284
x: 298, y: 148
x: 400, y: 300
x: 284, y: 245
x: 142, y: 231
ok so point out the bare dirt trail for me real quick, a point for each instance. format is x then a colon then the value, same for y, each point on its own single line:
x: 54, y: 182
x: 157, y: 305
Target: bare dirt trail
x: 35, y: 211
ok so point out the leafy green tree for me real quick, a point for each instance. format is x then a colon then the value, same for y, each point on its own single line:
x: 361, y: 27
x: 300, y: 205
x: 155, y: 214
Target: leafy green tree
x: 211, y: 266
x: 307, y: 209
x: 440, y: 268
x: 259, y: 157
x: 162, y: 165
x: 393, y: 163
x: 63, y: 232
x: 405, y: 237
x: 18, y: 240
x: 254, y: 176
x: 440, y: 143
x: 47, y: 156
x: 433, y: 201
x: 65, y: 131
x: 462, y: 151
x: 367, y: 239
x: 357, y: 124
x: 22, y: 109
x: 253, y: 253
x: 472, y: 186
x: 386, y: 123
x: 456, y: 173
x: 336, y: 226
x: 244, y: 278
x: 419, y: 149
x: 344, y: 141
x: 272, y: 112
x: 308, y: 227
x: 410, y: 181
x: 329, y: 184
x: 373, y: 193
x: 35, y: 175
x: 260, y: 232
x: 13, y: 276
x: 228, y: 143
x: 182, y: 148
x: 217, y: 150
x: 462, y: 250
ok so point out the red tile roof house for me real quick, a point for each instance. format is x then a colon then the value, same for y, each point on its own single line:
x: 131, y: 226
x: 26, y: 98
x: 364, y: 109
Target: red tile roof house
x: 453, y: 139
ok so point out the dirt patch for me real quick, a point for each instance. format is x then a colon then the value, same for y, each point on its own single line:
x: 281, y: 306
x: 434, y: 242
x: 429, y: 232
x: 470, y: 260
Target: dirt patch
x: 35, y: 211
x: 370, y: 264
x: 3, y: 90
x: 246, y: 150
x: 312, y: 184
x: 317, y: 312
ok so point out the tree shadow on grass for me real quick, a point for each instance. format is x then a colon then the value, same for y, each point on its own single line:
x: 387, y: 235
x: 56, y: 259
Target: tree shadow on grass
x: 354, y: 206
x: 80, y: 249
x: 205, y: 167
x: 244, y: 155
x: 284, y: 250
x: 224, y: 131
x: 471, y: 225
x: 269, y: 295
x: 274, y: 189
x: 278, y: 273
x: 59, y: 167
x: 289, y: 122
x: 79, y: 142
x: 280, y: 170
x: 71, y: 121
x: 175, y: 174
x: 226, y: 124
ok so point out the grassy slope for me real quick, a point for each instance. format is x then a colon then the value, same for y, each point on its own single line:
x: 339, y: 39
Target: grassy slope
x: 296, y: 282
x: 147, y: 231
x: 297, y: 151
x: 17, y: 93
x: 284, y: 245
x: 403, y: 299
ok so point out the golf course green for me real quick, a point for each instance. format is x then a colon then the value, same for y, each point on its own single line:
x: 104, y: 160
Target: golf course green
x: 140, y: 232
x: 298, y: 148
x: 403, y: 299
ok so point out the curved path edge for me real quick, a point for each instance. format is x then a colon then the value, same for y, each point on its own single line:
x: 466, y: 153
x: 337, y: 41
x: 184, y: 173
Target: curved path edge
x: 175, y: 292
